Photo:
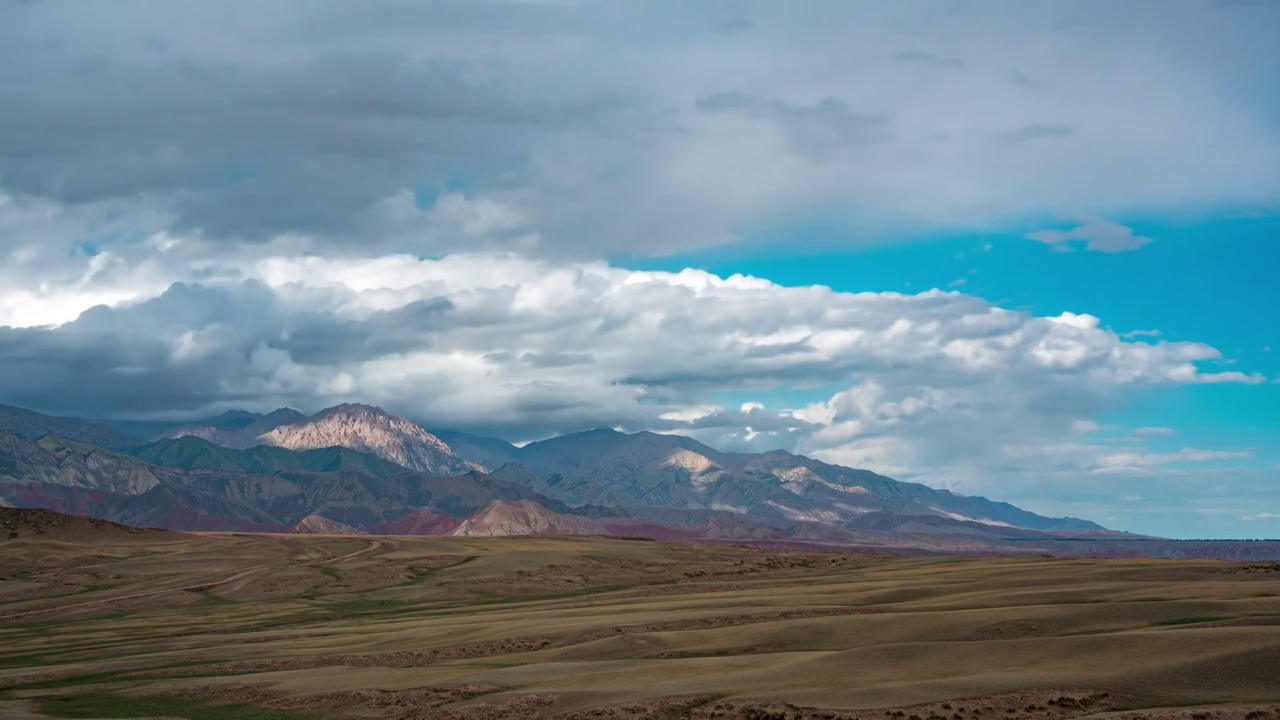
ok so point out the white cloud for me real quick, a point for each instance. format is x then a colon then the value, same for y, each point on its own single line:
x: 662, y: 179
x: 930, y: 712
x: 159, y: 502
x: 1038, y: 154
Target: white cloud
x: 1101, y: 235
x: 1085, y: 426
x: 638, y: 339
x: 1138, y: 460
x: 1155, y: 431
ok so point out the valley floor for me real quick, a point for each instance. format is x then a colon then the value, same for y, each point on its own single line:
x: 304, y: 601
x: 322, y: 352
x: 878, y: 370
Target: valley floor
x: 108, y: 624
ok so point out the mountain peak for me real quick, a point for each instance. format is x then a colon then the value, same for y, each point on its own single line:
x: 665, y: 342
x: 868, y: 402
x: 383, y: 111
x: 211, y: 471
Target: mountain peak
x: 353, y: 409
x: 374, y: 430
x: 524, y: 517
x: 320, y: 525
x: 235, y: 428
x: 236, y: 414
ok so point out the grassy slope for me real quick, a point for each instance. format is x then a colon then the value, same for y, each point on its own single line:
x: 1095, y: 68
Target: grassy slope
x: 592, y: 621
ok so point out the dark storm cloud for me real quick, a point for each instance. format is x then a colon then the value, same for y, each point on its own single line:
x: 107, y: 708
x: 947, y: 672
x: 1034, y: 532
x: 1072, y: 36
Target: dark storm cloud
x: 606, y: 126
x: 271, y: 125
x: 186, y: 348
x: 820, y: 127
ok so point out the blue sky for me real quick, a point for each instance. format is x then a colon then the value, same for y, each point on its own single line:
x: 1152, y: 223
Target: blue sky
x: 1212, y: 280
x: 526, y: 217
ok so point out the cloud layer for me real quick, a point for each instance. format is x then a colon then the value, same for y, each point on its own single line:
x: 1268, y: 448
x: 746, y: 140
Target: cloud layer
x: 937, y: 385
x: 605, y: 129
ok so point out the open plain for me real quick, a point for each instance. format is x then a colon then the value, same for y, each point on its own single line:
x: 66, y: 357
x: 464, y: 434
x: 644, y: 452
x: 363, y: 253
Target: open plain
x: 101, y: 621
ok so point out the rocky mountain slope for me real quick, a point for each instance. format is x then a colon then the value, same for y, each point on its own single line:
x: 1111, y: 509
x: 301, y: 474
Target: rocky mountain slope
x: 194, y: 453
x: 33, y: 425
x: 609, y: 467
x: 80, y: 478
x: 235, y: 428
x: 69, y: 463
x: 365, y: 469
x: 320, y: 525
x: 595, y: 467
x: 424, y: 521
x: 372, y: 430
x: 525, y: 517
x: 486, y: 451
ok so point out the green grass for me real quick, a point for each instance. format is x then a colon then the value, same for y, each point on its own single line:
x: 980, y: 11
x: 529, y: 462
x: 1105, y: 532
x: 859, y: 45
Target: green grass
x: 1190, y: 620
x: 329, y: 570
x: 417, y: 576
x: 123, y: 706
x: 208, y: 598
x: 39, y: 627
x: 365, y: 607
x: 421, y: 574
x: 592, y: 590
x: 17, y: 661
x: 72, y: 681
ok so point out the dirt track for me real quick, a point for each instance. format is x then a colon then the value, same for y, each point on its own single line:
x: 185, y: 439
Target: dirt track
x: 373, y: 547
x: 242, y: 576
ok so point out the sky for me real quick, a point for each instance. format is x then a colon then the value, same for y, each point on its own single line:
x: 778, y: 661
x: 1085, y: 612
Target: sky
x: 1022, y: 250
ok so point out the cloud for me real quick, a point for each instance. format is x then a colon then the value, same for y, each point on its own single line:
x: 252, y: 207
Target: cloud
x: 479, y: 340
x: 1040, y: 131
x: 1155, y: 431
x: 1134, y: 460
x: 1141, y: 333
x: 817, y: 129
x: 937, y: 386
x: 929, y: 58
x: 1101, y: 235
x: 710, y: 122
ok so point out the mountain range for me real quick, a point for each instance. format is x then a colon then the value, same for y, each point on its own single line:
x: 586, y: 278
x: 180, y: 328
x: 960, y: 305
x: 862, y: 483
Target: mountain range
x: 355, y: 469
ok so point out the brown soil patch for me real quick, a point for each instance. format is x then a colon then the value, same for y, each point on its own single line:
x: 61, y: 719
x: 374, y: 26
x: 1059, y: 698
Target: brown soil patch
x: 421, y: 702
x: 22, y: 524
x: 669, y: 707
x: 403, y: 658
x: 386, y: 703
x: 1271, y: 567
x: 1217, y: 712
x: 721, y: 621
x: 520, y: 707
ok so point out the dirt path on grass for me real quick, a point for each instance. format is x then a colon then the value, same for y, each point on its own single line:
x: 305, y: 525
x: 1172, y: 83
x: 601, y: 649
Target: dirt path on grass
x: 240, y: 578
x: 373, y: 547
x: 242, y: 575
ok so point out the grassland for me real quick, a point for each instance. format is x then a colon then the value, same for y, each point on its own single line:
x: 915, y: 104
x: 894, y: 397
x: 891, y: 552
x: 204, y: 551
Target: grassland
x: 215, y: 626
